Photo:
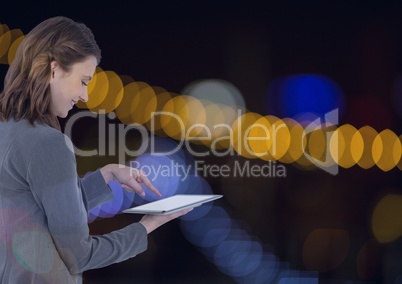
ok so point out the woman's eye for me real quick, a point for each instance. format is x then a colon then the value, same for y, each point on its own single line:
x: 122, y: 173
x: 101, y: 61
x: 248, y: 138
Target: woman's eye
x: 84, y: 84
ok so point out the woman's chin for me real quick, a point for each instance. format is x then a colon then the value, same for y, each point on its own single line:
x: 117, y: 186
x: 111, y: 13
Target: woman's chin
x: 63, y: 114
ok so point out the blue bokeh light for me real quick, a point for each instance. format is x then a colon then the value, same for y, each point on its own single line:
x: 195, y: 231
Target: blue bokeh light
x: 292, y: 96
x: 208, y: 231
x: 238, y: 257
x: 266, y: 272
x: 162, y: 172
x: 167, y: 166
x: 299, y: 277
x: 122, y: 200
x: 198, y: 186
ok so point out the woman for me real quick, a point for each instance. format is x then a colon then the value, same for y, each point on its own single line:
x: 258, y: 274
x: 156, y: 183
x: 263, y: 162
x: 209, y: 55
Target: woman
x: 44, y: 234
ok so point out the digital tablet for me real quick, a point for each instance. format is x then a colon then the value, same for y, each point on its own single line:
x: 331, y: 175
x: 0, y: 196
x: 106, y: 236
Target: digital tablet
x: 172, y: 204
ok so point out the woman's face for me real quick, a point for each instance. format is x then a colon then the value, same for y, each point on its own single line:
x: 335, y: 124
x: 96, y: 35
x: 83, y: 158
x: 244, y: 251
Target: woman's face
x: 67, y: 88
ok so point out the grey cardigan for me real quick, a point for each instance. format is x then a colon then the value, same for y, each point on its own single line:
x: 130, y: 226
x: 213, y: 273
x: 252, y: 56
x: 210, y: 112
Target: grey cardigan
x: 44, y: 235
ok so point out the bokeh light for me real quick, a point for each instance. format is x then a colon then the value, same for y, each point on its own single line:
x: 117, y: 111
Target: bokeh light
x: 239, y: 256
x: 368, y: 263
x: 325, y: 249
x: 164, y: 173
x: 280, y: 139
x: 386, y: 150
x: 171, y: 122
x: 9, y: 42
x: 368, y: 135
x: 198, y: 186
x: 208, y: 231
x: 162, y: 97
x: 169, y: 168
x: 23, y: 252
x: 225, y: 136
x: 124, y: 109
x: 138, y: 103
x: 298, y: 141
x: 266, y: 272
x: 216, y: 90
x: 317, y: 144
x: 5, y: 42
x: 400, y: 160
x: 214, y: 120
x: 13, y: 48
x: 144, y: 103
x: 114, y: 94
x: 386, y: 223
x: 296, y: 278
x: 241, y: 127
x: 346, y: 146
x: 122, y: 200
x: 98, y: 89
x: 191, y: 115
x: 295, y: 95
x: 259, y: 138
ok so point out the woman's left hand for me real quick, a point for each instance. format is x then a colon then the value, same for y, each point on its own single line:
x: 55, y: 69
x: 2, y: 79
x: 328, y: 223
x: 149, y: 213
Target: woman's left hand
x: 129, y: 178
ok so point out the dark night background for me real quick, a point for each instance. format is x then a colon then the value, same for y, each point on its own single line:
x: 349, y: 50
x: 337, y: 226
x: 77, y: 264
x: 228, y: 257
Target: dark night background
x: 170, y: 44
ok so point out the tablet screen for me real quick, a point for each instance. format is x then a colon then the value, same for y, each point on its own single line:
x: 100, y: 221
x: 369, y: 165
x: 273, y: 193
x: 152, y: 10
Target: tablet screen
x: 172, y: 204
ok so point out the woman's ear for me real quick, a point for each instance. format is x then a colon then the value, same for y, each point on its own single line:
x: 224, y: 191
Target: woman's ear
x: 53, y: 66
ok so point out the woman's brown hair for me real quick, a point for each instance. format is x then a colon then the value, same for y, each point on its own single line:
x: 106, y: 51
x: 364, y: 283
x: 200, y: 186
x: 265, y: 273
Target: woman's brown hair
x: 26, y: 85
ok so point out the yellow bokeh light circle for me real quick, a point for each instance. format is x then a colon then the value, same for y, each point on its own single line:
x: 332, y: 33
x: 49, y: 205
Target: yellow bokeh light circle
x: 280, y: 139
x: 143, y: 103
x: 13, y: 49
x: 154, y: 124
x: 368, y: 135
x: 138, y: 103
x: 193, y: 116
x: 98, y: 89
x: 5, y: 42
x: 171, y: 122
x: 297, y: 143
x: 386, y: 223
x: 123, y: 110
x: 346, y: 146
x: 114, y: 95
x: 91, y: 85
x: 386, y: 150
x: 317, y: 144
x: 240, y: 126
x: 259, y: 138
x: 7, y: 47
x: 400, y: 160
x: 318, y: 147
x: 229, y: 115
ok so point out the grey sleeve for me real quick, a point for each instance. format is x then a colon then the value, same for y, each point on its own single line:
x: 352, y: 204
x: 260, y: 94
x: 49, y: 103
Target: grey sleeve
x: 95, y: 190
x: 52, y: 177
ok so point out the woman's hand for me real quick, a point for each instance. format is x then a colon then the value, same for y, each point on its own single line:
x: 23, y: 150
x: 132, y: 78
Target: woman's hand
x: 129, y: 178
x: 152, y: 222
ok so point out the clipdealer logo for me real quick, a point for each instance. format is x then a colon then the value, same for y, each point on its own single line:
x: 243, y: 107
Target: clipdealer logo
x: 328, y: 163
x: 271, y: 169
x: 107, y: 135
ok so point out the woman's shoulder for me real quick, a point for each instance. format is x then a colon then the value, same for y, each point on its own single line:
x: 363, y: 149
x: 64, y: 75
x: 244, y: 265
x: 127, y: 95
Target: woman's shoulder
x: 20, y: 141
x: 24, y: 132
